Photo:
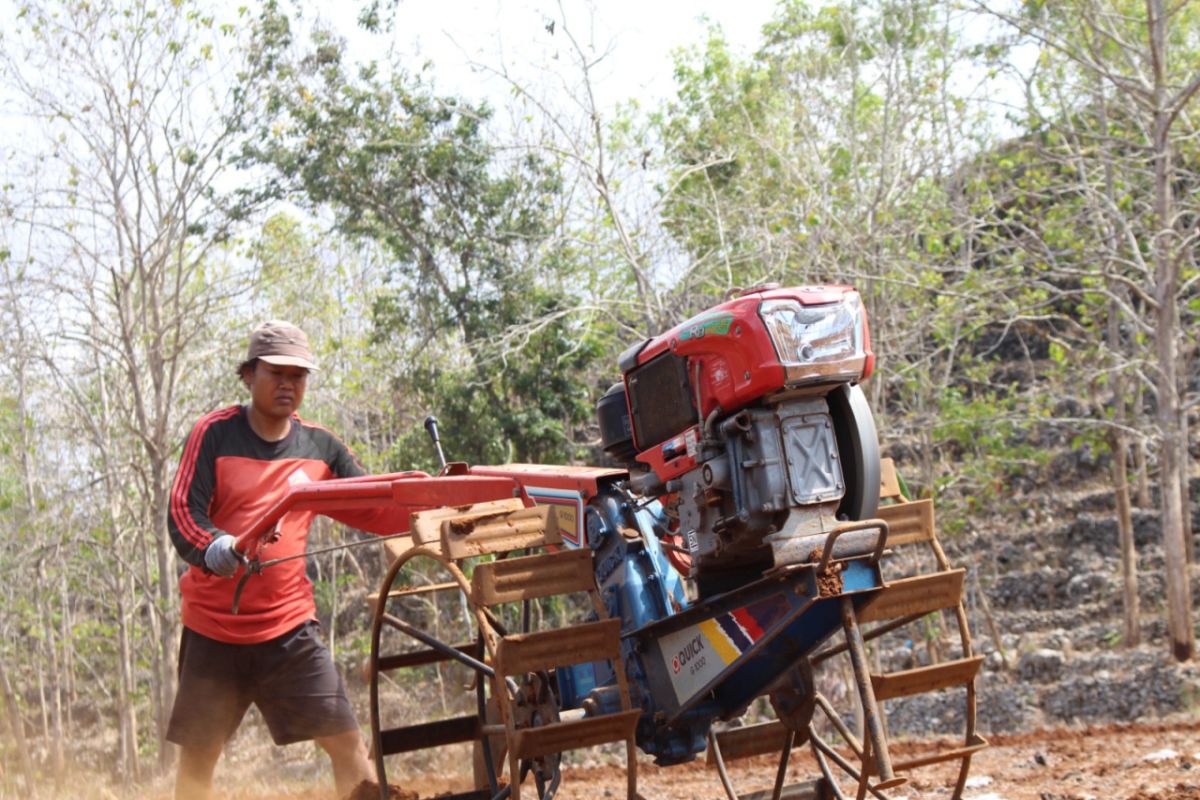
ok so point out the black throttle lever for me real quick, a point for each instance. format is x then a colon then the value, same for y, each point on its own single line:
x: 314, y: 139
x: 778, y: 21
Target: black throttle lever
x: 432, y: 429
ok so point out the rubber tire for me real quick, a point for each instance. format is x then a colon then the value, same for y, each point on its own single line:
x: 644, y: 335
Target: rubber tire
x: 858, y: 450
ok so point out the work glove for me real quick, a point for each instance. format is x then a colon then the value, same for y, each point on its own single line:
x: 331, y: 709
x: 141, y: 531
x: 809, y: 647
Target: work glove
x: 221, y: 558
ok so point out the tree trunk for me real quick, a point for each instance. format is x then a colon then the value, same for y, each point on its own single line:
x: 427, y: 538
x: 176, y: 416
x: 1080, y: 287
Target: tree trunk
x: 156, y: 624
x: 1141, y: 465
x: 55, y: 733
x: 1189, y: 541
x: 1129, y: 576
x: 163, y: 616
x: 1179, y: 590
x: 126, y: 713
x: 41, y: 682
x: 17, y: 726
x: 1166, y: 333
x: 168, y: 633
x: 986, y: 608
x: 68, y: 644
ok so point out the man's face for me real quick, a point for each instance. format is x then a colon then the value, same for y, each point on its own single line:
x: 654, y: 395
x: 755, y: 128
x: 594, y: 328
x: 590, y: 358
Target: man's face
x: 276, y: 391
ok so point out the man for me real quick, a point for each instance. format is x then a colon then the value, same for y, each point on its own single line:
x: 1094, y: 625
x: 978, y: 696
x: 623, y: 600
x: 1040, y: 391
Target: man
x: 237, y: 462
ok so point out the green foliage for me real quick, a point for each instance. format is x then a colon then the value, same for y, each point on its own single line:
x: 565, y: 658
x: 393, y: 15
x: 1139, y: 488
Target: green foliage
x: 989, y: 432
x: 523, y: 407
x: 476, y: 302
x: 10, y: 436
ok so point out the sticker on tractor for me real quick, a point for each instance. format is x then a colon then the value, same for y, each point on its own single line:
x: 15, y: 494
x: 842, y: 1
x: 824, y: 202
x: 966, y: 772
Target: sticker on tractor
x: 568, y: 522
x: 696, y: 655
x: 568, y: 510
x: 712, y: 326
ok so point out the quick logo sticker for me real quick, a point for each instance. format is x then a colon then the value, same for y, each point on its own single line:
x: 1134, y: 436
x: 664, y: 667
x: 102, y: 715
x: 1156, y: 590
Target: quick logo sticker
x: 687, y: 654
x: 697, y: 654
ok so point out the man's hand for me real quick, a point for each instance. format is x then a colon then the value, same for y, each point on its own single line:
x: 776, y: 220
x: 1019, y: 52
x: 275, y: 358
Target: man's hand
x: 221, y: 558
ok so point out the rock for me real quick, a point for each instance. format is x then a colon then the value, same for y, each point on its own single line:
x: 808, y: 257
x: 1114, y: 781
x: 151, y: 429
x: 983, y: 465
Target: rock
x: 1088, y: 586
x: 1099, y: 531
x: 1009, y: 554
x: 1041, y: 666
x: 1060, y: 640
x: 1146, y: 530
x: 1038, y: 588
x: 1082, y: 462
x: 1125, y: 692
x: 1005, y: 707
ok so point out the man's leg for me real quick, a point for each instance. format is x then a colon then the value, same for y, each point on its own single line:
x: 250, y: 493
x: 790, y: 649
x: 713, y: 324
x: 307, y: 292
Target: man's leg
x: 348, y: 756
x: 193, y: 778
x: 301, y: 697
x: 208, y: 708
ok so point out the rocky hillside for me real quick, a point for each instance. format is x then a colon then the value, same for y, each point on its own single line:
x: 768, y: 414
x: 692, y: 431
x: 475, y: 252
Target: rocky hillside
x: 1052, y: 583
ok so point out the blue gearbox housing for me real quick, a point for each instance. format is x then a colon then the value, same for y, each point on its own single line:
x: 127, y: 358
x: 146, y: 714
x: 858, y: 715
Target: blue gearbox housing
x: 689, y: 664
x: 639, y: 586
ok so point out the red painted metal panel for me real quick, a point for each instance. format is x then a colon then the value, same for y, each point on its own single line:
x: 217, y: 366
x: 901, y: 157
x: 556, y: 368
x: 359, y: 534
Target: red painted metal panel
x: 585, y: 480
x: 379, y: 503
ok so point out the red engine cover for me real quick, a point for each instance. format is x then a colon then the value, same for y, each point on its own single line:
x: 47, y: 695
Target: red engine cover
x: 729, y: 348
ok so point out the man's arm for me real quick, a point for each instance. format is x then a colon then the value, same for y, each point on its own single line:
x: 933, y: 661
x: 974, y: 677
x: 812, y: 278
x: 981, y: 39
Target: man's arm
x: 345, y: 463
x: 380, y: 521
x: 188, y: 522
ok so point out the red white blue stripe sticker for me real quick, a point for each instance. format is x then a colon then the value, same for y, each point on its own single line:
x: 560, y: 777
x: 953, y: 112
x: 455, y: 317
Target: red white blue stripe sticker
x: 694, y: 656
x: 568, y: 509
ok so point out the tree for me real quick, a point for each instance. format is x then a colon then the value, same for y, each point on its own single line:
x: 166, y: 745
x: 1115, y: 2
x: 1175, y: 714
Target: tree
x: 478, y: 298
x: 127, y: 222
x: 843, y: 151
x: 1142, y: 58
x: 19, y: 492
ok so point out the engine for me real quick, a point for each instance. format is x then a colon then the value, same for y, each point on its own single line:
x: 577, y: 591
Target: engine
x: 745, y: 440
x: 747, y: 424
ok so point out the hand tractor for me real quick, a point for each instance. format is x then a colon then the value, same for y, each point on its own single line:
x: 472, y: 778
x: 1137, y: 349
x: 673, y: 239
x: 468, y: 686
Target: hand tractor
x: 751, y: 540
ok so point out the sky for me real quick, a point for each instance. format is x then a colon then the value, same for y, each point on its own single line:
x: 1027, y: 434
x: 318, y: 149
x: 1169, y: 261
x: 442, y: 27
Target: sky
x: 457, y: 36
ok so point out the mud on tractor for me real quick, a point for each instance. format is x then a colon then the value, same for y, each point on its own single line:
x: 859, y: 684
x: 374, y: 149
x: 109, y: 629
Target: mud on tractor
x: 752, y: 537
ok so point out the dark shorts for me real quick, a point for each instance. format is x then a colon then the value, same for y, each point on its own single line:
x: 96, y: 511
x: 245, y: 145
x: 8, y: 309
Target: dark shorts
x: 291, y: 679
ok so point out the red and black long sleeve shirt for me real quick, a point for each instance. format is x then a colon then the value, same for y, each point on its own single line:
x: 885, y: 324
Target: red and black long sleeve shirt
x: 228, y: 477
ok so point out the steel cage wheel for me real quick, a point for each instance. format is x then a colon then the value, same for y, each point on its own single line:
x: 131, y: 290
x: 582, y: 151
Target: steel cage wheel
x: 382, y: 619
x: 948, y: 673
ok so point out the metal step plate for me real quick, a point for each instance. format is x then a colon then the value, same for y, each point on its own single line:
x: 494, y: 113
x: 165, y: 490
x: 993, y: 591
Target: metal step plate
x: 419, y: 658
x: 925, y: 679
x: 530, y: 577
x: 578, y: 644
x: 559, y: 736
x: 427, y: 525
x: 977, y: 743
x: 809, y: 790
x: 889, y: 481
x: 916, y: 595
x: 749, y: 740
x: 429, y: 734
x: 467, y: 537
x: 908, y: 522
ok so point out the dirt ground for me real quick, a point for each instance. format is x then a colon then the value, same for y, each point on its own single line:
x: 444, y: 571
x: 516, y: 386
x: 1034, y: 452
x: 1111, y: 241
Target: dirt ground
x: 1149, y: 761
x: 1115, y: 762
